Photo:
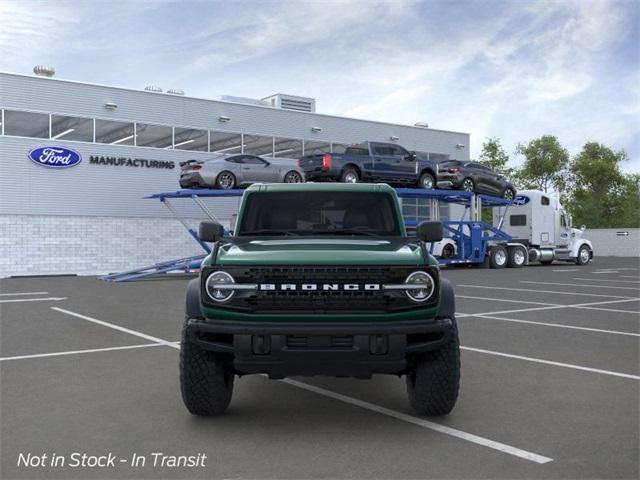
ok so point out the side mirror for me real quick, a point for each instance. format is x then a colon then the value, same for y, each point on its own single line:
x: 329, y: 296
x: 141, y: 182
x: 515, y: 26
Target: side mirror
x: 412, y: 155
x: 583, y: 228
x: 210, y: 231
x: 429, y: 231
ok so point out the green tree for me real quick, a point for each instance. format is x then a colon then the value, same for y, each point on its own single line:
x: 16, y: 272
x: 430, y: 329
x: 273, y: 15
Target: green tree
x: 545, y: 164
x: 600, y: 195
x: 494, y: 156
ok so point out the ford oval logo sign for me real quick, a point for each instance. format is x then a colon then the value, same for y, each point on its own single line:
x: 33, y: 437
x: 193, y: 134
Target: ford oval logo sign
x: 521, y: 200
x: 55, y: 157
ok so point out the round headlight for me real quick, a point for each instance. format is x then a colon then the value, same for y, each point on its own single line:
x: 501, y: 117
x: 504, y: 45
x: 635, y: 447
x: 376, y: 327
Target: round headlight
x: 214, y: 283
x: 425, y: 286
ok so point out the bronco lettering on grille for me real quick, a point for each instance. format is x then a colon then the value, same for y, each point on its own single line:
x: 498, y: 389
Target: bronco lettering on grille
x: 310, y: 287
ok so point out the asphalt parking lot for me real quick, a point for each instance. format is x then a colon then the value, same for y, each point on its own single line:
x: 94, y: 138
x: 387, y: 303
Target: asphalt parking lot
x: 550, y: 387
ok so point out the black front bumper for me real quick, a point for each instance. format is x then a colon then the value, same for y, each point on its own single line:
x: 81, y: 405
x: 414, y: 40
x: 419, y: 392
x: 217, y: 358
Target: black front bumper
x: 350, y: 350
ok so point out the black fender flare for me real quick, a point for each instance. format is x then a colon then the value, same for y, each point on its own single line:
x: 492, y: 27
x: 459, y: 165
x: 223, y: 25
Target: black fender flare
x: 192, y: 304
x: 447, y: 308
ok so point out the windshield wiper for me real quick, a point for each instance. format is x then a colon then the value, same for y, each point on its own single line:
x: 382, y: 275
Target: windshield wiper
x: 269, y: 231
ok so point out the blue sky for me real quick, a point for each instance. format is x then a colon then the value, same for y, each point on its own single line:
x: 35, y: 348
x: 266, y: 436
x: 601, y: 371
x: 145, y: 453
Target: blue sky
x: 514, y: 69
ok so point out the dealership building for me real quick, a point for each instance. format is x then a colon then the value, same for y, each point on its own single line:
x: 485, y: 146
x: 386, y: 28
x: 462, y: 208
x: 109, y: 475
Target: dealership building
x: 93, y: 217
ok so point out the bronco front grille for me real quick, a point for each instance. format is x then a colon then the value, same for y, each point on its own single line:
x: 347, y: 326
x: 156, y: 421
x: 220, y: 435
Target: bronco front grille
x: 320, y: 301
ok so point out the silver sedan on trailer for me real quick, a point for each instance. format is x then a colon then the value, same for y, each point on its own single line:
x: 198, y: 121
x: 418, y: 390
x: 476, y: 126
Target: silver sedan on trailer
x: 234, y: 171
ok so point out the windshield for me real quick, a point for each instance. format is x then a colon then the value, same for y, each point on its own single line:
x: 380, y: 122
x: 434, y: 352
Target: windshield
x: 319, y: 213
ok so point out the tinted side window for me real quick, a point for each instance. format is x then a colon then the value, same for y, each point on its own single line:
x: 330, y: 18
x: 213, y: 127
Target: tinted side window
x: 544, y: 201
x: 518, y: 220
x: 399, y: 151
x: 234, y: 159
x: 356, y: 151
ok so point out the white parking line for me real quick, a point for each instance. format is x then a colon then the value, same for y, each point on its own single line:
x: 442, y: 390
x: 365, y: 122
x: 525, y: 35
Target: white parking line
x: 528, y: 290
x: 582, y: 285
x: 116, y: 327
x: 558, y: 325
x: 567, y: 270
x: 47, y: 299
x: 628, y: 276
x: 22, y: 293
x: 605, y: 280
x: 507, y: 300
x: 76, y: 352
x: 589, y: 306
x: 469, y: 437
x: 549, y: 362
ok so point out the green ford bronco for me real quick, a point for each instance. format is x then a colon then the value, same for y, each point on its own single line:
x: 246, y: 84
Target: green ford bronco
x: 320, y: 279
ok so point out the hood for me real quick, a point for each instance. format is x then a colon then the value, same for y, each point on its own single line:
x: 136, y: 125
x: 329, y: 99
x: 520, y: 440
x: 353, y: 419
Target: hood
x: 321, y: 251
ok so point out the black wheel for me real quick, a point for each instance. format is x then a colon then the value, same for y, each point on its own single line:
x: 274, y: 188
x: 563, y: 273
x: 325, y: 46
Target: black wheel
x: 509, y: 194
x: 205, y: 381
x: 427, y: 181
x: 468, y: 185
x: 226, y: 180
x: 349, y: 175
x: 448, y: 251
x: 433, y: 382
x: 584, y: 255
x: 293, y: 177
x: 498, y: 257
x: 517, y: 257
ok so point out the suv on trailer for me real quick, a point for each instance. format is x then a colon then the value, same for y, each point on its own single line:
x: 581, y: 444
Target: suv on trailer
x: 320, y: 279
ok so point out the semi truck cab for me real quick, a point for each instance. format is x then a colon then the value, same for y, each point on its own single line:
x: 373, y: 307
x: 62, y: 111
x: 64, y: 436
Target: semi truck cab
x: 538, y: 221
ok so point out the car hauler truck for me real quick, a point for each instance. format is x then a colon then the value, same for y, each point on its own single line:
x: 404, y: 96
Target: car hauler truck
x: 538, y: 221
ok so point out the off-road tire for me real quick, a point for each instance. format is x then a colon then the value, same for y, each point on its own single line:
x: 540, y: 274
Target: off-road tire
x: 513, y: 261
x: 434, y: 381
x: 427, y: 178
x: 348, y: 173
x: 205, y: 381
x: 499, y: 257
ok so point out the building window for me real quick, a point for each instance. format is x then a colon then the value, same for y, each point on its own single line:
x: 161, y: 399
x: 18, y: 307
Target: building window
x: 26, y: 124
x: 315, y: 148
x: 114, y: 133
x: 190, y: 139
x: 258, y: 145
x: 287, y: 148
x: 71, y: 128
x: 157, y: 136
x: 225, y: 143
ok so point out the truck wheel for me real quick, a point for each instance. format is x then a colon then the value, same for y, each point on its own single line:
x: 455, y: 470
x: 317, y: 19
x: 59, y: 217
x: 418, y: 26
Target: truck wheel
x: 226, y: 180
x: 517, y: 257
x: 427, y: 181
x: 584, y: 255
x: 434, y: 381
x: 349, y: 175
x: 205, y: 381
x: 498, y: 257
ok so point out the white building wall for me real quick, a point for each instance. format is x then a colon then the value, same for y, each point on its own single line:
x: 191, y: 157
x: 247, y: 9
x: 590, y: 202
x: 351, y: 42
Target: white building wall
x: 612, y: 242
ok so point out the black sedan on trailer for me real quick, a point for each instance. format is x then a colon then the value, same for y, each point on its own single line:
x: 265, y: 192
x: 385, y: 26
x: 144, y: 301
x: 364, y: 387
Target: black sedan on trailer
x: 474, y: 177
